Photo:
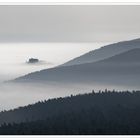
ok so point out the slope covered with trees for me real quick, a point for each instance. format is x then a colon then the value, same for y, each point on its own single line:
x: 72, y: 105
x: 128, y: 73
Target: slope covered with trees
x: 107, y: 112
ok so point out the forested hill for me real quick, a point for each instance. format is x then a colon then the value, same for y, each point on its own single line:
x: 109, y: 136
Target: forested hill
x: 108, y: 112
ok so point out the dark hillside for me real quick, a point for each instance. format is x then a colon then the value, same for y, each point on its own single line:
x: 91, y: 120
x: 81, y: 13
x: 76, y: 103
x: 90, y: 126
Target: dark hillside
x: 108, y: 112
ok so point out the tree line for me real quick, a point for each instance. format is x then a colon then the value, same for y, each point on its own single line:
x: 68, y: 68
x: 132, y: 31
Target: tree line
x: 95, y: 113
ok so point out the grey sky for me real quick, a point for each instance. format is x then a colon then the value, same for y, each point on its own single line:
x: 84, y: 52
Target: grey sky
x: 69, y: 23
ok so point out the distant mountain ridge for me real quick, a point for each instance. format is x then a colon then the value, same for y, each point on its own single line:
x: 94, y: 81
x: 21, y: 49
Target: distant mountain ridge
x: 120, y: 69
x: 104, y: 52
x: 131, y: 57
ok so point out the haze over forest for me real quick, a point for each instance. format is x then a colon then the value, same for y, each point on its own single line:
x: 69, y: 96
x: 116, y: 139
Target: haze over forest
x: 51, y: 56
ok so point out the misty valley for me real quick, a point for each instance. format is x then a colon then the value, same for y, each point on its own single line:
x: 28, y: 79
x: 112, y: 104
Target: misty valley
x: 92, y: 93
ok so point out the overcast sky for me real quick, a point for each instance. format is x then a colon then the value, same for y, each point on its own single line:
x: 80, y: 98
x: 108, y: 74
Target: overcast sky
x: 69, y: 23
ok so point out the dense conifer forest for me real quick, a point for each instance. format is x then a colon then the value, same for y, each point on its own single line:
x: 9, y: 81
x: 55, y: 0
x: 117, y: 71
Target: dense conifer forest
x: 95, y: 113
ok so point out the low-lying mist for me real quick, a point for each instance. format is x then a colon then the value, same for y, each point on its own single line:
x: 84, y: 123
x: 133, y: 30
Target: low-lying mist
x: 13, y: 95
x: 13, y: 56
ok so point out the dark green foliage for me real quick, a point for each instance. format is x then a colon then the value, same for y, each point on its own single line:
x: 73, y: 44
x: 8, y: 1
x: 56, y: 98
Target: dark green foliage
x: 108, y: 112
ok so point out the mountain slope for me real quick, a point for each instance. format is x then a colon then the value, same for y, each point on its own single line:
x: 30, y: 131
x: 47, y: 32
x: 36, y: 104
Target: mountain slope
x: 107, y: 112
x: 105, y: 52
x: 120, y: 69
